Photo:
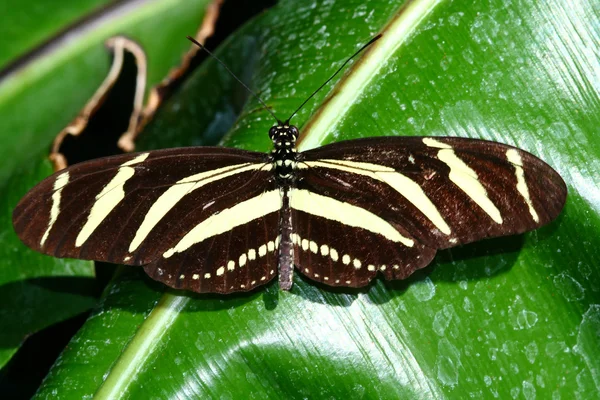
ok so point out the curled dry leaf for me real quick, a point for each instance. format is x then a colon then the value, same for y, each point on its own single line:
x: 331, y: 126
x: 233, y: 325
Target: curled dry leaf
x: 140, y: 114
x: 119, y: 46
x: 162, y: 91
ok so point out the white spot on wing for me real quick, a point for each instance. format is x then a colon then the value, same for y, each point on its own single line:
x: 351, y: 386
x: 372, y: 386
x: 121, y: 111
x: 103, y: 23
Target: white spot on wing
x: 304, y: 244
x: 333, y: 254
x: 220, y: 271
x: 262, y: 250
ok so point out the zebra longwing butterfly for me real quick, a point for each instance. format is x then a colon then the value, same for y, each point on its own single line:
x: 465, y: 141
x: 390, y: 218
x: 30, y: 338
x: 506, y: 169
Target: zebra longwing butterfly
x: 212, y: 219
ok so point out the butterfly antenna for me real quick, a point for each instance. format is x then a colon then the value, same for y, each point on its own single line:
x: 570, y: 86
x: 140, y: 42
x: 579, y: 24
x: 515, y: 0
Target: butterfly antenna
x: 333, y: 76
x: 236, y: 78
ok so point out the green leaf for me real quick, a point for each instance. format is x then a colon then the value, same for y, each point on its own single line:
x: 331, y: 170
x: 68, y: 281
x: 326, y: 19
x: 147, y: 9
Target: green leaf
x: 38, y: 99
x: 507, y: 317
x: 26, y: 27
x: 28, y: 306
x: 17, y: 262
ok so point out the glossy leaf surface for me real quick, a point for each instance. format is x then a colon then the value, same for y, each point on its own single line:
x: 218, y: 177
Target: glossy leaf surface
x: 514, y: 317
x: 40, y: 98
x: 31, y: 305
x: 25, y: 28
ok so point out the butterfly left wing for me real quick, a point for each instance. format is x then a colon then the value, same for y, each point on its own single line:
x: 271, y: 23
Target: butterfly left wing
x: 199, y: 218
x: 387, y: 204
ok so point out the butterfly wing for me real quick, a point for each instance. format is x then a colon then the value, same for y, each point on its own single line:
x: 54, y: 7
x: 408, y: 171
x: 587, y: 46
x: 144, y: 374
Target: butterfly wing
x: 339, y: 241
x: 397, y: 200
x: 190, y: 204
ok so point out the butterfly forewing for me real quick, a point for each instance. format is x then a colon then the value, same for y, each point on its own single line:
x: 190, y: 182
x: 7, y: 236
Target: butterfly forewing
x: 445, y: 191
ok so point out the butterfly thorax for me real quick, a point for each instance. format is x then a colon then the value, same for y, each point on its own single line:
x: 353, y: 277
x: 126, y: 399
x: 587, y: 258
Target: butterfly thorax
x: 284, y: 154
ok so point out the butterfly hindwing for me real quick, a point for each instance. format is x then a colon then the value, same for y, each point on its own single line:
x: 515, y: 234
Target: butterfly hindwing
x: 333, y: 253
x: 235, y: 258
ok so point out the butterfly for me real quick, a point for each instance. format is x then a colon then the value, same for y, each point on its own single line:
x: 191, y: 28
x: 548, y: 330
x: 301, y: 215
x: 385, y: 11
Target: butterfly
x: 223, y: 220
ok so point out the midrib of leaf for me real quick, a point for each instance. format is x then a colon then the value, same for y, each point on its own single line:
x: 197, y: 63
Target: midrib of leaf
x: 141, y: 347
x: 353, y: 85
x: 149, y: 334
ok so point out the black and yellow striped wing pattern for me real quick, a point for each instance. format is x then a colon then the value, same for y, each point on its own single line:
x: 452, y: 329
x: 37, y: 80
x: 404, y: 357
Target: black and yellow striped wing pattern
x: 137, y: 209
x: 224, y: 220
x: 386, y: 205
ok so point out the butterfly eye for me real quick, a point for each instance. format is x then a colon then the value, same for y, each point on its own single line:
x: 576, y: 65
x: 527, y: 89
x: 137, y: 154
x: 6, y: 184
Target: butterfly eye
x: 294, y: 131
x: 272, y: 132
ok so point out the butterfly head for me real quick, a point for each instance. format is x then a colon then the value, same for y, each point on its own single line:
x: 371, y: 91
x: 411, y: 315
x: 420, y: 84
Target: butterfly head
x: 283, y: 135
